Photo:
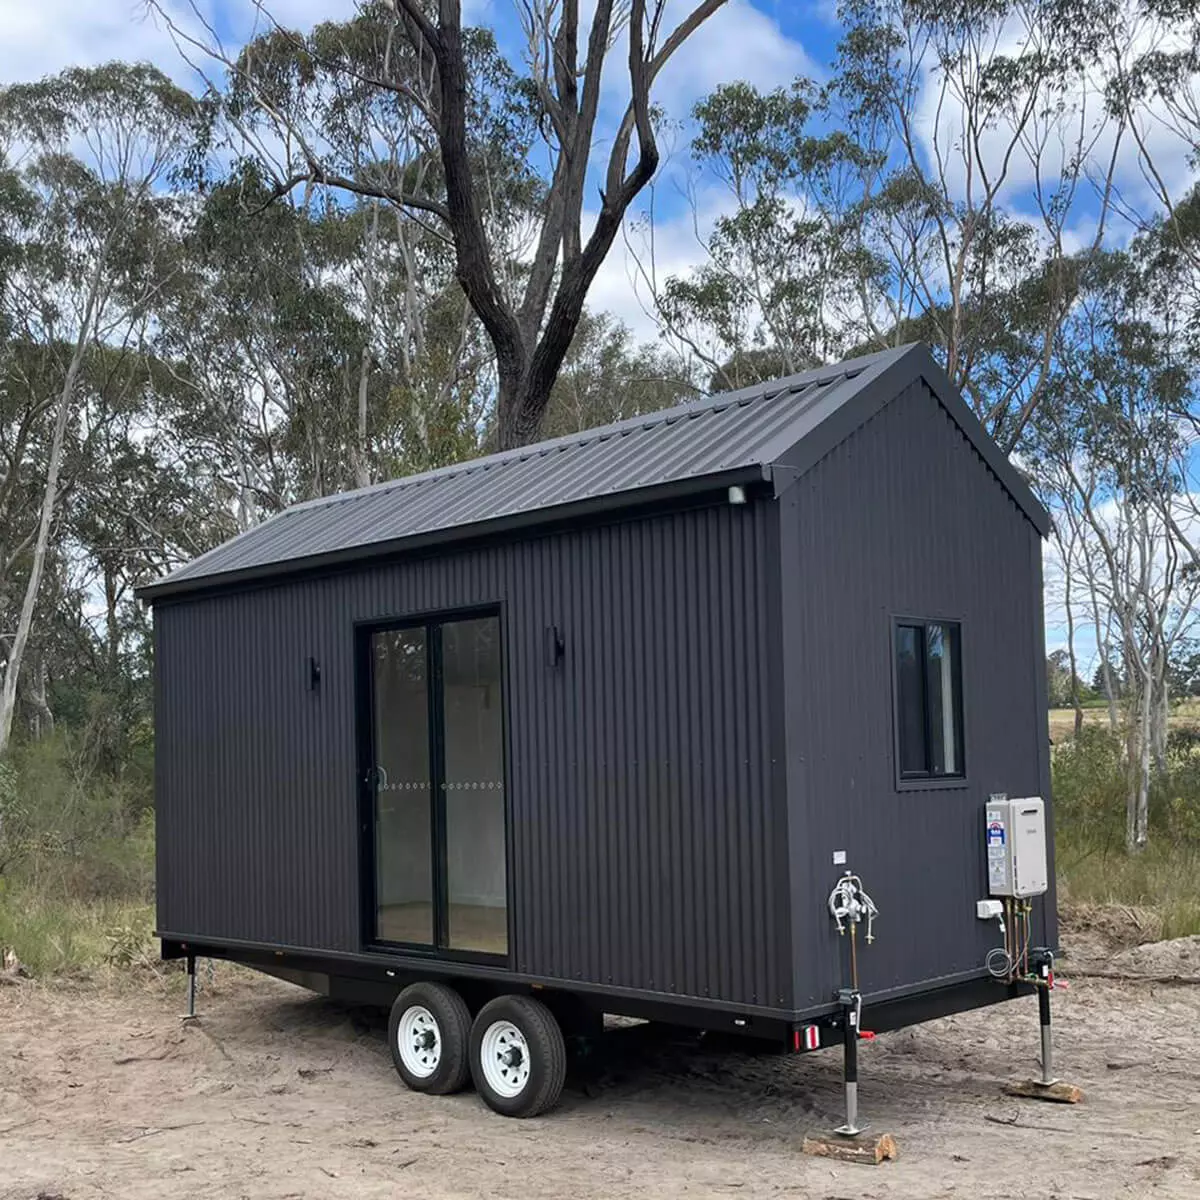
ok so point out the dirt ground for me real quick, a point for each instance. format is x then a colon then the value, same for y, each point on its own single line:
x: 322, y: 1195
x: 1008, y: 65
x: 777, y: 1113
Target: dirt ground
x: 276, y: 1093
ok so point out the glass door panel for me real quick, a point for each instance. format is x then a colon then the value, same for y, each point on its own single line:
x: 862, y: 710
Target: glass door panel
x: 402, y: 778
x: 472, y: 783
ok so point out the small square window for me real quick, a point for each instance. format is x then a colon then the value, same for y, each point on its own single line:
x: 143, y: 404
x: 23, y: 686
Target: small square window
x: 929, y: 741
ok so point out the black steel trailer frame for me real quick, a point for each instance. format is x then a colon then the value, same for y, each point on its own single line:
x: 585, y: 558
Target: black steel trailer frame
x: 377, y: 979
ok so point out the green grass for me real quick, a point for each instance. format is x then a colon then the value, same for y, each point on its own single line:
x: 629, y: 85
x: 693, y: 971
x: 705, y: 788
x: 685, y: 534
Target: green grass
x: 54, y: 936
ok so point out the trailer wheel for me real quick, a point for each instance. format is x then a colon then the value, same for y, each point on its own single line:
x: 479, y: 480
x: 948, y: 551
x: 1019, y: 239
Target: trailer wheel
x: 518, y: 1057
x: 429, y: 1033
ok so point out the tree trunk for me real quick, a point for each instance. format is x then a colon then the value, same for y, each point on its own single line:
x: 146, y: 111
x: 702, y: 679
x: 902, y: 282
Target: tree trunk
x: 1137, y: 812
x: 520, y: 408
x: 12, y: 672
x: 1110, y: 694
x: 112, y: 627
x: 43, y: 715
x: 358, y: 446
x: 1159, y: 726
x: 1071, y: 660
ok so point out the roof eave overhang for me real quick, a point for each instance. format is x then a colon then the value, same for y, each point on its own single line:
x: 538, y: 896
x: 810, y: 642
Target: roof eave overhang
x: 523, y: 522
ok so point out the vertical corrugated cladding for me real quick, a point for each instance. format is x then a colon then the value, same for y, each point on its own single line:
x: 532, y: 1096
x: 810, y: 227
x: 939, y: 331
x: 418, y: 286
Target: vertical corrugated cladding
x: 903, y: 518
x: 1049, y: 906
x: 643, y: 809
x: 645, y: 814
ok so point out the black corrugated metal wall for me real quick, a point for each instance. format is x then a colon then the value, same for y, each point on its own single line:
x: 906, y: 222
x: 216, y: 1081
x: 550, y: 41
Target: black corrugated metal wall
x: 900, y: 520
x: 647, y: 824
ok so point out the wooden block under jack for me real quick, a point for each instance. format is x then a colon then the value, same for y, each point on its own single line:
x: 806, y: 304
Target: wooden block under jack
x: 1056, y: 1092
x: 861, y: 1148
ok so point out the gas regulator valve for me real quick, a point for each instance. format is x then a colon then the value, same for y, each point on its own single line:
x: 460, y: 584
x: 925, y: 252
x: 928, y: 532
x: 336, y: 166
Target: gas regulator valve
x: 849, y: 904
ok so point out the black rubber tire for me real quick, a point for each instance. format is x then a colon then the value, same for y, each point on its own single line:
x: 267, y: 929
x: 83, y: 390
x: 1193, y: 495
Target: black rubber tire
x: 547, y: 1056
x: 453, y: 1019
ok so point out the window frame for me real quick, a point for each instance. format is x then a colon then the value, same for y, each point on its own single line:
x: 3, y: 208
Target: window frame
x: 907, y: 781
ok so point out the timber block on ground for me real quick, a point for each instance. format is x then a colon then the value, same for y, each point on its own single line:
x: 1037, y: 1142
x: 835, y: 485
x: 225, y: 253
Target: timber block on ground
x: 1054, y: 1093
x: 862, y: 1148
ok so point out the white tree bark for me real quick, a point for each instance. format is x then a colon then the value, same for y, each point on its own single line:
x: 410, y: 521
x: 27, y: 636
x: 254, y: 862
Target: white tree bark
x: 33, y: 586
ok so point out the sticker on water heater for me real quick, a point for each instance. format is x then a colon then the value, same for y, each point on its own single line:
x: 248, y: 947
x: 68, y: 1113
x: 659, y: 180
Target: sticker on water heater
x: 995, y: 834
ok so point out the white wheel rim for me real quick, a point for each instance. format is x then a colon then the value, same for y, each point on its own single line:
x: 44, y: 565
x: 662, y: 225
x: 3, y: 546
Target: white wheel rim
x: 504, y: 1055
x: 419, y: 1041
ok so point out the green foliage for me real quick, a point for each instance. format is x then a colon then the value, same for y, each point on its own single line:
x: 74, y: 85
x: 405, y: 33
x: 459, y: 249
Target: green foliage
x: 14, y: 822
x: 1059, y: 687
x: 1090, y: 783
x: 786, y: 265
x: 607, y: 377
x: 90, y: 835
x: 1089, y: 788
x: 77, y: 890
x: 56, y: 935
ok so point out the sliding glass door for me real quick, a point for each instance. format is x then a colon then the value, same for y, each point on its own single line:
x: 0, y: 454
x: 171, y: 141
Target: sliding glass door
x: 436, y: 785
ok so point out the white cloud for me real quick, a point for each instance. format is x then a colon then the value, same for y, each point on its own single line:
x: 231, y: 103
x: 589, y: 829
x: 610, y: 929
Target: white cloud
x: 737, y: 42
x: 622, y: 287
x: 48, y: 35
x: 41, y: 37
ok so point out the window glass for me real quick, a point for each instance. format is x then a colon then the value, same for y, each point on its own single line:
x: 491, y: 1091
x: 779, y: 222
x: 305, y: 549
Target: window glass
x: 928, y: 699
x: 941, y: 671
x: 474, y: 786
x: 910, y: 687
x: 402, y: 784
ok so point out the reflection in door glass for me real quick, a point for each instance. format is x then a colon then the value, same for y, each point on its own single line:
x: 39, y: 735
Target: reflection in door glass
x: 474, y: 786
x: 402, y: 777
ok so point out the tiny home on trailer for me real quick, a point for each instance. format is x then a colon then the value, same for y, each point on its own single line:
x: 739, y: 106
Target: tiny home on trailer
x: 667, y: 719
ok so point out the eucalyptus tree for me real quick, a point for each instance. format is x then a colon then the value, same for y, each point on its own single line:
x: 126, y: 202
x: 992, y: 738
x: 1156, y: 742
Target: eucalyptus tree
x: 1117, y: 466
x: 607, y: 376
x: 1155, y: 87
x: 260, y: 340
x: 933, y: 188
x: 87, y: 154
x: 446, y: 129
x: 783, y: 268
x: 988, y: 157
x: 308, y: 348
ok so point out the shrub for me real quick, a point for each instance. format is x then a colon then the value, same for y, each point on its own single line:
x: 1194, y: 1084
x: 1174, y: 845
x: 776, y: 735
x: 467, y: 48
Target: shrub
x: 87, y: 836
x: 76, y: 858
x: 1089, y: 785
x: 14, y: 821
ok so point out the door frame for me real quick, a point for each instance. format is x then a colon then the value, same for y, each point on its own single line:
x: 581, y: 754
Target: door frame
x: 364, y: 736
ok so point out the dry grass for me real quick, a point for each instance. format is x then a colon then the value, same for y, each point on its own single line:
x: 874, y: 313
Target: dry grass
x: 1185, y: 715
x: 1155, y: 891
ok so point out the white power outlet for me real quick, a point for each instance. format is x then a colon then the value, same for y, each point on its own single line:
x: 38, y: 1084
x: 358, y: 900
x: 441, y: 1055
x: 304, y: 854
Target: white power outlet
x: 989, y: 910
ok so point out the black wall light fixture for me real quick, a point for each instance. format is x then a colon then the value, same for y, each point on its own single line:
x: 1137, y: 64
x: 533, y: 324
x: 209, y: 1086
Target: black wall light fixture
x: 555, y: 646
x: 314, y: 675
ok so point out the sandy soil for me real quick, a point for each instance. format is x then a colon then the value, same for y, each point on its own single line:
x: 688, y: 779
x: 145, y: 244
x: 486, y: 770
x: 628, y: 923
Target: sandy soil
x: 275, y: 1093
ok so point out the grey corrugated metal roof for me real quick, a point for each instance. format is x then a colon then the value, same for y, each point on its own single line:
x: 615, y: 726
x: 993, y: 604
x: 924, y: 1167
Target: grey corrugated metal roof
x: 718, y: 439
